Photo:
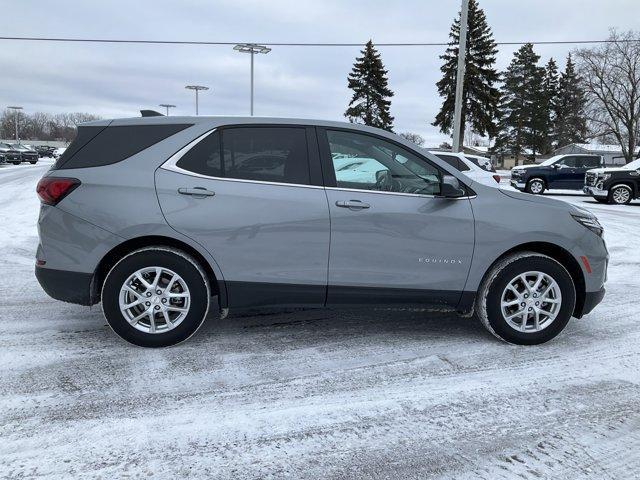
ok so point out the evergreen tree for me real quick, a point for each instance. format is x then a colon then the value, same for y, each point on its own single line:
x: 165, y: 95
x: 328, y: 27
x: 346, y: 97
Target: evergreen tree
x: 571, y: 122
x: 522, y: 112
x: 370, y: 102
x: 551, y: 90
x: 480, y: 97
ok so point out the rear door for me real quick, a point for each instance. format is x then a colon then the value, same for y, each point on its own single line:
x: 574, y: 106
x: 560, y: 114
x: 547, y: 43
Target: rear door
x: 393, y: 240
x: 253, y: 197
x: 583, y: 164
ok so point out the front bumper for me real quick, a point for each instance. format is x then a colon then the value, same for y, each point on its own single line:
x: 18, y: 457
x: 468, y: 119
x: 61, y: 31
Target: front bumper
x: 518, y: 185
x: 594, y: 191
x: 591, y: 300
x: 72, y: 287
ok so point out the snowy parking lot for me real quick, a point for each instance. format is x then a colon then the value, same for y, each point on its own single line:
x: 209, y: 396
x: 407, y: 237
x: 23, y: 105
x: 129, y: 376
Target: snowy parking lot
x: 317, y: 393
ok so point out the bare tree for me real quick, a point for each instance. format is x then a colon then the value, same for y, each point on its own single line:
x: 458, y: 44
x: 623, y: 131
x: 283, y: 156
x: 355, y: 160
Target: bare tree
x: 413, y: 137
x: 611, y: 75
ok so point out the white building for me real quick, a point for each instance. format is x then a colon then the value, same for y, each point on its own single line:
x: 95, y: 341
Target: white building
x: 612, y: 154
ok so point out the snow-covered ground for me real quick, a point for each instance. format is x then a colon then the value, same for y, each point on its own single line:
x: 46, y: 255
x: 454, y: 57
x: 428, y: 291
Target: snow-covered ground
x: 314, y: 394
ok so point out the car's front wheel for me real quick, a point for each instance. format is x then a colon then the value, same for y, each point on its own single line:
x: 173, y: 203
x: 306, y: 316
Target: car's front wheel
x: 156, y: 297
x: 526, y: 298
x: 535, y: 186
x: 620, y: 195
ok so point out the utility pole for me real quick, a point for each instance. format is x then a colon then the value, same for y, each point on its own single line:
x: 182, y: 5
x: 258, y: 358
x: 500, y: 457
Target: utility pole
x: 462, y: 51
x: 251, y: 48
x: 197, y: 88
x: 16, y: 119
x: 167, y: 106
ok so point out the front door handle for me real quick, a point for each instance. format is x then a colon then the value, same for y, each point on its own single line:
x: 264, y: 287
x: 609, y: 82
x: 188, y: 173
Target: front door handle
x: 352, y: 204
x: 196, y: 192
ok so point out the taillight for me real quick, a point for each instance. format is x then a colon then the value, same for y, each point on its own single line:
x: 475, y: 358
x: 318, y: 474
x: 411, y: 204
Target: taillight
x: 496, y: 178
x: 53, y: 189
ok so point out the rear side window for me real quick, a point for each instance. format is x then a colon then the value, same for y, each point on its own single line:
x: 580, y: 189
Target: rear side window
x: 271, y: 154
x: 588, y: 162
x: 114, y: 144
x: 204, y: 157
x: 454, y: 161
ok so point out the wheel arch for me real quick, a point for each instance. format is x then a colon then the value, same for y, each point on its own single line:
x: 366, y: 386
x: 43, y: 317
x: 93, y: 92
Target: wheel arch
x: 562, y: 256
x: 218, y: 286
x: 622, y: 183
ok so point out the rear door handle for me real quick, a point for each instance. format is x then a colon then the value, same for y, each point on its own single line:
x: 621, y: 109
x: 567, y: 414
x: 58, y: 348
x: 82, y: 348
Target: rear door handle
x: 353, y: 204
x: 196, y: 192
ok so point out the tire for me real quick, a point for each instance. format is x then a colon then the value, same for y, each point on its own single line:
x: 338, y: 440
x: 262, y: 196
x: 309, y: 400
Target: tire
x: 535, y: 186
x: 190, y: 292
x: 620, y: 195
x: 32, y: 163
x: 16, y: 163
x: 494, y: 288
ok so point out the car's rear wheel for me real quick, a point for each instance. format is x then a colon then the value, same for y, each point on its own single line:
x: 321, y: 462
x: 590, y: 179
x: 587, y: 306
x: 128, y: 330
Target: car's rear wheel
x: 156, y: 297
x: 527, y: 298
x: 536, y: 186
x: 620, y: 195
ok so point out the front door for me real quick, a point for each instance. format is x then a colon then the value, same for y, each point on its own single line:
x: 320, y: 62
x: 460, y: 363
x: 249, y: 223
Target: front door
x: 246, y: 194
x: 393, y: 240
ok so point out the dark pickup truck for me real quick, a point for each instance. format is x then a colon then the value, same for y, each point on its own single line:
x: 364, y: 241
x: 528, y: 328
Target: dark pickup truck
x: 618, y: 185
x: 559, y: 172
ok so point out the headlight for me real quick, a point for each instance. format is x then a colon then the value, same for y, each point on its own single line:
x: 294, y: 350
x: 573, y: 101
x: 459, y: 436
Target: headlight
x: 589, y: 222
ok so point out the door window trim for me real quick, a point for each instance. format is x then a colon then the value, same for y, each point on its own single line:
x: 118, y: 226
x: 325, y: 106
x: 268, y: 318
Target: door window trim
x: 312, y: 156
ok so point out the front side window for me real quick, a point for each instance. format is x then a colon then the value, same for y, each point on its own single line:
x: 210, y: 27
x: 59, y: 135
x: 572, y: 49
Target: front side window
x: 271, y: 154
x: 567, y: 162
x: 368, y: 163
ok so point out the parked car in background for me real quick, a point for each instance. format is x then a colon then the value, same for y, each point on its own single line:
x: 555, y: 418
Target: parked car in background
x: 482, y: 162
x: 45, y: 151
x: 58, y: 152
x: 26, y: 154
x: 618, y: 185
x: 564, y: 172
x: 10, y: 154
x: 214, y: 228
x: 460, y: 162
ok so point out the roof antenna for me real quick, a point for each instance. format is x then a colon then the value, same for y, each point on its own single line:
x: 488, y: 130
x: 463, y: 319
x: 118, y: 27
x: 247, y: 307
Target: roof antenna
x: 150, y: 113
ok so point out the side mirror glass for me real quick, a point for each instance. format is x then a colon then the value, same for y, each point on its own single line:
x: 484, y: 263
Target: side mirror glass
x: 450, y: 187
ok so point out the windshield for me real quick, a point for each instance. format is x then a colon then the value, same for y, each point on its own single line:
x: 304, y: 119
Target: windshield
x: 18, y: 147
x: 633, y: 165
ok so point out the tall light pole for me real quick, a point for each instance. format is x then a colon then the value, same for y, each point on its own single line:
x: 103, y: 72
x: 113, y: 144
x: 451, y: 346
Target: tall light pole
x: 167, y: 106
x: 197, y: 88
x: 462, y: 51
x: 251, y: 48
x: 17, y: 117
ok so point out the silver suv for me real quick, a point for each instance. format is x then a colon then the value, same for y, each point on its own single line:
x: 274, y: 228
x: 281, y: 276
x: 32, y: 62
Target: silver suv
x: 163, y: 218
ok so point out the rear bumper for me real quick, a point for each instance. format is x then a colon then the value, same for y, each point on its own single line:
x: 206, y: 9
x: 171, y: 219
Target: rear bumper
x: 72, y: 287
x: 591, y: 300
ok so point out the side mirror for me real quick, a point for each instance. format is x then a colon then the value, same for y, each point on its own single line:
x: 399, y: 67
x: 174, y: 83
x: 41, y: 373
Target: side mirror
x: 556, y: 166
x: 450, y: 187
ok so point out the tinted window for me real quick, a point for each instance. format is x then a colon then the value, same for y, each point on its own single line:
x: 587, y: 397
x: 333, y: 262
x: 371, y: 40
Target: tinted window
x: 454, y: 161
x: 204, y: 157
x: 114, y: 144
x: 588, y: 162
x: 272, y: 154
x: 369, y: 163
x: 568, y: 162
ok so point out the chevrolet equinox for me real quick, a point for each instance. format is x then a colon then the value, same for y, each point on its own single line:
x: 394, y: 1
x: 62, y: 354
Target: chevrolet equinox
x: 162, y: 218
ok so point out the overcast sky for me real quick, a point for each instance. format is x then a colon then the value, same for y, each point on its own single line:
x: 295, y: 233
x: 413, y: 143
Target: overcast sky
x: 117, y: 80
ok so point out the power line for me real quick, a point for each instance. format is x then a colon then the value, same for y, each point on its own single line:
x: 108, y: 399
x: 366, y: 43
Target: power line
x: 298, y: 44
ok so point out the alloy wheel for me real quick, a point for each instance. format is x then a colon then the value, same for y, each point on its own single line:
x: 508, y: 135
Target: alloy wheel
x: 531, y: 302
x: 621, y: 195
x: 154, y: 300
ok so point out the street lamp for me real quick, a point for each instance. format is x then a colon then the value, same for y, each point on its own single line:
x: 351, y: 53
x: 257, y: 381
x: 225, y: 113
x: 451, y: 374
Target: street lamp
x: 251, y: 48
x: 167, y: 106
x: 17, y: 117
x: 197, y: 88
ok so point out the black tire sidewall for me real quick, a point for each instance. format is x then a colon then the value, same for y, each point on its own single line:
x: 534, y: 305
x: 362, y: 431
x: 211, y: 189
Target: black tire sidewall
x: 508, y: 273
x: 161, y: 258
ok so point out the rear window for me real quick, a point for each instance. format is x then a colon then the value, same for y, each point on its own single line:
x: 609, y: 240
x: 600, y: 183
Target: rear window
x: 454, y: 161
x: 97, y: 146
